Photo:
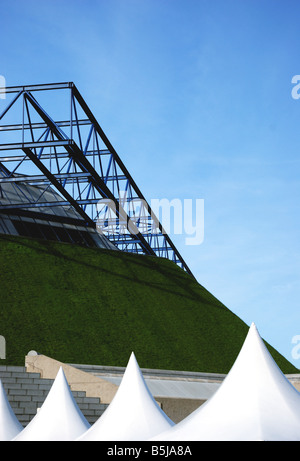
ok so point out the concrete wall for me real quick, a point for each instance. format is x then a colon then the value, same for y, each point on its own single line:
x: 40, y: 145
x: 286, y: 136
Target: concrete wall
x: 178, y: 409
x: 77, y: 379
x: 294, y: 380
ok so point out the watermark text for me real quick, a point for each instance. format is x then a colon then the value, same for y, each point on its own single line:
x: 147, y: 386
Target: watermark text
x: 296, y: 348
x: 2, y: 87
x: 177, y: 216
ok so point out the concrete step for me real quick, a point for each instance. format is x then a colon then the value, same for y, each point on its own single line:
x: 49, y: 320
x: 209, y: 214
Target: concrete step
x: 26, y: 393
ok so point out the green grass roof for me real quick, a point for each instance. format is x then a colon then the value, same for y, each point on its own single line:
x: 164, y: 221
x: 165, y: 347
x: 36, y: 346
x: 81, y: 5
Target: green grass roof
x: 92, y: 306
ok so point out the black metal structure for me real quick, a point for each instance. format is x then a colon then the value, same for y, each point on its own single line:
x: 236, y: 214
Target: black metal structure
x: 73, y: 155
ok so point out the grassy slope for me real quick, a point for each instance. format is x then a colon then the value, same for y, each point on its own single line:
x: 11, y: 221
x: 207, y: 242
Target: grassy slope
x: 79, y: 305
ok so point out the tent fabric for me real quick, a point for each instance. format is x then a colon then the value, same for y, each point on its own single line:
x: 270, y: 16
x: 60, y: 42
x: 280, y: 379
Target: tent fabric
x: 59, y: 418
x: 133, y: 413
x: 10, y: 426
x: 254, y: 402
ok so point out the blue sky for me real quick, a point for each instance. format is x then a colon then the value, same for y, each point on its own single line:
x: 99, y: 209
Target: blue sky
x: 196, y: 98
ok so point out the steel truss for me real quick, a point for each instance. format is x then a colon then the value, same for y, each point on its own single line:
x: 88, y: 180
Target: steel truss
x: 75, y: 157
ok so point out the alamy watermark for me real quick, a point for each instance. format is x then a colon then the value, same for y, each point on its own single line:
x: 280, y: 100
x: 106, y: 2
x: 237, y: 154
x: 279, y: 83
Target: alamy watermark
x: 2, y: 348
x: 177, y: 216
x: 2, y: 87
x: 296, y: 348
x: 296, y: 88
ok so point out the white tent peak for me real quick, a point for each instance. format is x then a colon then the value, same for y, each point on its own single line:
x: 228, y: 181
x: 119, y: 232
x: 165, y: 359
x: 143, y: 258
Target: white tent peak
x: 9, y: 423
x: 133, y: 367
x: 59, y: 418
x: 132, y: 358
x: 253, y: 329
x: 133, y: 413
x: 254, y: 402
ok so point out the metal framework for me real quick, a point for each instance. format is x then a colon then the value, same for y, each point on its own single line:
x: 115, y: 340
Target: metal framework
x: 74, y: 156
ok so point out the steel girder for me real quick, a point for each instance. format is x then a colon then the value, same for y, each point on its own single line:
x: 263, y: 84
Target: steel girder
x: 75, y: 157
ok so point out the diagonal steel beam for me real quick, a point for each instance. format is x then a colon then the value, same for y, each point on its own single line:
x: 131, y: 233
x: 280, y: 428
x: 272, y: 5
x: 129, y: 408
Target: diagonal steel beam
x: 106, y: 141
x: 76, y: 153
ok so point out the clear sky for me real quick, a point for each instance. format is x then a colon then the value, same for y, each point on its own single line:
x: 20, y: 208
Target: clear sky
x: 195, y: 96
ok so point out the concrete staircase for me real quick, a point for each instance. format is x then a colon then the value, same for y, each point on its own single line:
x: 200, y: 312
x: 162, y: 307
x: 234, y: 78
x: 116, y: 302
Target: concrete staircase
x: 26, y: 393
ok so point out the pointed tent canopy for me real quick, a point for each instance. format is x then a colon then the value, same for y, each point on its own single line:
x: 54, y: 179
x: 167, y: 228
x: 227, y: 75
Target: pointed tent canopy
x: 10, y: 426
x: 133, y: 413
x: 254, y: 402
x: 59, y: 418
